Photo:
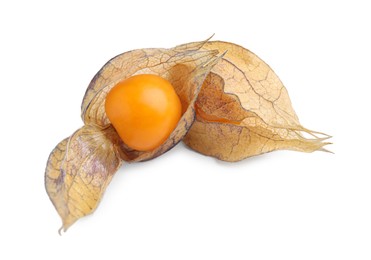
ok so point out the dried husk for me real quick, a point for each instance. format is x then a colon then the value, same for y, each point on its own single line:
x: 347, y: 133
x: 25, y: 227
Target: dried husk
x: 81, y: 166
x: 185, y: 66
x: 243, y: 110
x: 78, y: 171
x: 233, y: 106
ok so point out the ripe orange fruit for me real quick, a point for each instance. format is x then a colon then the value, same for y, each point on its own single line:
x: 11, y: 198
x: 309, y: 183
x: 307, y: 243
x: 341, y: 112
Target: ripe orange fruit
x: 144, y: 109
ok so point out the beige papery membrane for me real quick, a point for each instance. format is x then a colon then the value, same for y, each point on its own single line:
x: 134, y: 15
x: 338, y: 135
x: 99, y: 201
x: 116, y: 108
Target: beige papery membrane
x: 243, y: 110
x: 233, y: 107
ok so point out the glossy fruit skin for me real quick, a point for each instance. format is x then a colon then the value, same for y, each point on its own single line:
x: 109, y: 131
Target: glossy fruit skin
x: 144, y: 109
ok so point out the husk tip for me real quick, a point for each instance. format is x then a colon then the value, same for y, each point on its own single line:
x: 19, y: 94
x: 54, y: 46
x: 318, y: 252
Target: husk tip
x: 61, y: 229
x: 322, y: 149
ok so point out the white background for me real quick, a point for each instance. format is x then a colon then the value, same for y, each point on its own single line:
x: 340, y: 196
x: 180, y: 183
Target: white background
x: 282, y: 205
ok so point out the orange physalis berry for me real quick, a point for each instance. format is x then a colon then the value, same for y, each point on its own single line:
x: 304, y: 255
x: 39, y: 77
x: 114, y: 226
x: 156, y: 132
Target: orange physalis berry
x: 144, y: 109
